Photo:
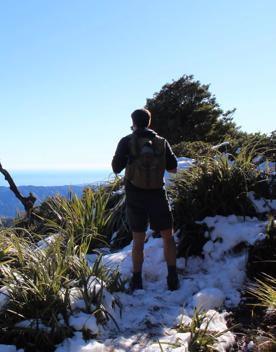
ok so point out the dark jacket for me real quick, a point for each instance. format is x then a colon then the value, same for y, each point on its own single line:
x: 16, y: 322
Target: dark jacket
x: 122, y: 155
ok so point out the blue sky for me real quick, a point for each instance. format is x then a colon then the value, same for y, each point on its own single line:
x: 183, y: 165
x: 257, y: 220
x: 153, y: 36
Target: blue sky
x: 71, y: 72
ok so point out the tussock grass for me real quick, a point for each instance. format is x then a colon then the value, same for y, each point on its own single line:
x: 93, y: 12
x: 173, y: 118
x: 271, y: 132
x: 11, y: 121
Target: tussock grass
x: 264, y: 290
x: 39, y: 284
x: 202, y: 338
x: 211, y: 187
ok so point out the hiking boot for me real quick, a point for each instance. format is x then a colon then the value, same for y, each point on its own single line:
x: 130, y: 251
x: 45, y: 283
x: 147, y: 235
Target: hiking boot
x: 136, y: 283
x: 173, y: 282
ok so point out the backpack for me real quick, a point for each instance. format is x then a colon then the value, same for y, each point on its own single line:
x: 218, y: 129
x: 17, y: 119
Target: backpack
x: 147, y: 162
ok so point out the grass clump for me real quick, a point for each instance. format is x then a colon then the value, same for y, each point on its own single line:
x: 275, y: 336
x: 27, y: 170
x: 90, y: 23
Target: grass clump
x: 82, y: 217
x: 40, y: 283
x: 202, y: 337
x: 211, y: 187
x: 98, y: 213
x: 264, y: 290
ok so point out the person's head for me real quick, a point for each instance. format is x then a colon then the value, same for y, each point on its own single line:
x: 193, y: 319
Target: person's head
x: 141, y: 118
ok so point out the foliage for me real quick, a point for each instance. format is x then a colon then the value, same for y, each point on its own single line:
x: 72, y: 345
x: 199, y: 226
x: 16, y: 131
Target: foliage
x: 213, y: 187
x: 259, y: 144
x: 39, y: 284
x: 262, y: 257
x: 193, y: 150
x: 99, y: 214
x: 185, y: 110
x: 265, y: 292
x: 202, y: 338
x: 191, y: 239
x: 118, y: 224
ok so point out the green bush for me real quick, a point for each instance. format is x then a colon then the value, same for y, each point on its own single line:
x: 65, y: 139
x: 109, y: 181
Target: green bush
x: 211, y: 187
x: 193, y: 149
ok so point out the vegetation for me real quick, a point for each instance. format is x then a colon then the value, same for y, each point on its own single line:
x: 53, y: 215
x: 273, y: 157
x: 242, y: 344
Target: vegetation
x: 265, y: 292
x: 185, y: 110
x: 202, y: 338
x: 40, y: 283
x: 43, y: 261
x: 262, y: 257
x: 97, y: 214
x: 195, y: 150
x: 213, y: 187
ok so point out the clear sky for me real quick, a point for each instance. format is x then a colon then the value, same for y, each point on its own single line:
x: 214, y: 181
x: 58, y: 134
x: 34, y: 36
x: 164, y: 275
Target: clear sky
x: 71, y: 72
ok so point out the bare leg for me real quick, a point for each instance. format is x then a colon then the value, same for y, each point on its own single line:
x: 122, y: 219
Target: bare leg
x: 138, y: 251
x: 169, y: 247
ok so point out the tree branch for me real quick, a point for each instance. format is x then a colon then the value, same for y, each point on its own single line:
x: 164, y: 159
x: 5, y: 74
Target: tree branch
x: 28, y: 202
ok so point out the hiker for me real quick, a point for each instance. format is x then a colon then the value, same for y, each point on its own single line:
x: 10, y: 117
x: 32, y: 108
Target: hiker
x: 145, y: 156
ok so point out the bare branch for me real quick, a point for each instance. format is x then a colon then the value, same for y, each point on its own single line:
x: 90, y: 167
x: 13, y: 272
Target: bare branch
x: 28, y: 202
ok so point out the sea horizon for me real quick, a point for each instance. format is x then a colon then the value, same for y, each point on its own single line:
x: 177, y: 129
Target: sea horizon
x: 57, y: 177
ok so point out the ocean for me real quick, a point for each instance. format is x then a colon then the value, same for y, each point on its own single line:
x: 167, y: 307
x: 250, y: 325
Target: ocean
x: 57, y: 177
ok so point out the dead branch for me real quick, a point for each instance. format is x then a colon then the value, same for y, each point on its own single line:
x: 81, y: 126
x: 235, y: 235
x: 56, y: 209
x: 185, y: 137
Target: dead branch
x: 28, y: 202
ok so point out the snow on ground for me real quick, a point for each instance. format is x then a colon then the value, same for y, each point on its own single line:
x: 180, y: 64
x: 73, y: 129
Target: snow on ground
x: 262, y: 205
x: 267, y: 166
x: 212, y: 282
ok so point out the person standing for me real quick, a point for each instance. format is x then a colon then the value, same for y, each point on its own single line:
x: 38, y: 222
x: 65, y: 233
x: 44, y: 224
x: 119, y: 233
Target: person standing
x: 145, y: 156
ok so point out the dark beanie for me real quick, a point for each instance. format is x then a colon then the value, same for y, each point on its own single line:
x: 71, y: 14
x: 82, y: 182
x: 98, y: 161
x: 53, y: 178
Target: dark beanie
x: 141, y: 118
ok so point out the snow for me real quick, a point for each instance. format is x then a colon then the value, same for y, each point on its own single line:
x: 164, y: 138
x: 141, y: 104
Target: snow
x: 267, y: 166
x: 77, y: 344
x: 7, y: 348
x: 223, y: 144
x: 44, y: 243
x: 208, y: 298
x: 262, y: 205
x: 183, y: 163
x: 226, y: 235
x: 4, y: 298
x: 212, y: 282
x: 85, y: 321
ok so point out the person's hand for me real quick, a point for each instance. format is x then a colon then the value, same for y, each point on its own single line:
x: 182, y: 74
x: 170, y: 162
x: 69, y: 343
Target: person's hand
x: 173, y: 171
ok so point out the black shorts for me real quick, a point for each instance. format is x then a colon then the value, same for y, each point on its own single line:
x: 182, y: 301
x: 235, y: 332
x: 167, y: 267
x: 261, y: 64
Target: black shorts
x: 144, y: 207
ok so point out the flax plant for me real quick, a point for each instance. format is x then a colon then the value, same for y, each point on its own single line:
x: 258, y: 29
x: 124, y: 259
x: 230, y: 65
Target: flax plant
x: 202, y: 339
x: 265, y: 291
x: 81, y: 217
x: 39, y: 283
x: 214, y: 187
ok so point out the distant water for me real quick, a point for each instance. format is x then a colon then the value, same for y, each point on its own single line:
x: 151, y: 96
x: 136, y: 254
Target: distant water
x: 57, y: 178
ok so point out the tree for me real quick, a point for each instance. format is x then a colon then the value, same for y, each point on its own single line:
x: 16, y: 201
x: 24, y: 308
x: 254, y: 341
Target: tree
x: 185, y: 110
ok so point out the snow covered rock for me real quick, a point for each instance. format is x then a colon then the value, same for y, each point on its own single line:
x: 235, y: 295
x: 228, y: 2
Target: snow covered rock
x: 209, y: 298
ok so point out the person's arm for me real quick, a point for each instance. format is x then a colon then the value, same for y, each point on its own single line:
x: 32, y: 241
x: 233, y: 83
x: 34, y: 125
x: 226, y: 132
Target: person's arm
x: 171, y: 161
x: 120, y: 158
